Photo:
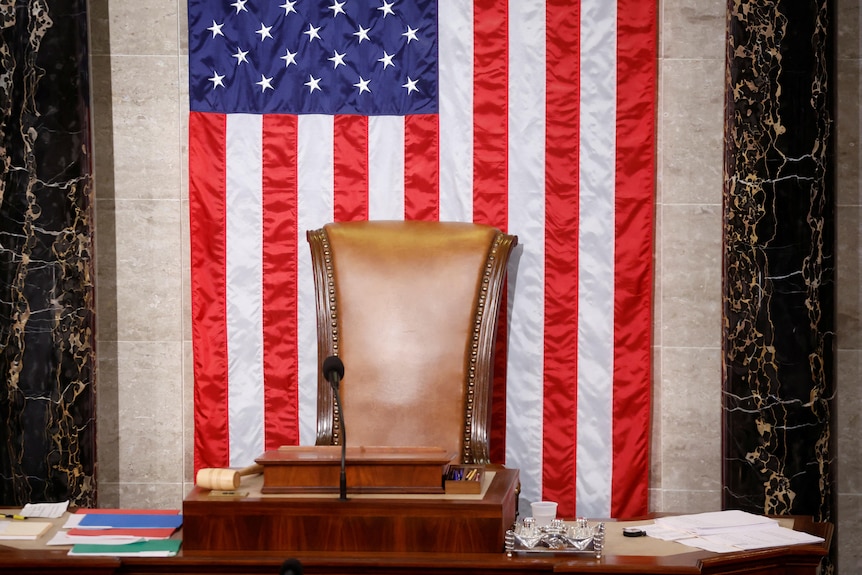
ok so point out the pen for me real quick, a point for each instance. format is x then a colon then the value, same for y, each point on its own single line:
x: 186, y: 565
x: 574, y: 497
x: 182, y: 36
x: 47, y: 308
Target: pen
x: 13, y: 516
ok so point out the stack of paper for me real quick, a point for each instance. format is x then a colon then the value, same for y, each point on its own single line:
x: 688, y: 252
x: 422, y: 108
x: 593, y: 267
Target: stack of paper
x: 121, y: 532
x: 21, y: 526
x: 22, y: 530
x: 726, y: 531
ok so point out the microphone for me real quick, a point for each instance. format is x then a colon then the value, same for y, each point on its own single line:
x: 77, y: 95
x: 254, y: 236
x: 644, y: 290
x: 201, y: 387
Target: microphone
x: 291, y: 567
x: 333, y: 371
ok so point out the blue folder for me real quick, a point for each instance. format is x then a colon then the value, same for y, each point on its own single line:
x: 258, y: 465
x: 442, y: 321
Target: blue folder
x: 131, y: 521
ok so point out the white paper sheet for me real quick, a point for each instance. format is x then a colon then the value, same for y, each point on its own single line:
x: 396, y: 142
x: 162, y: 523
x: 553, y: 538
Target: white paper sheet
x: 716, y: 522
x: 727, y: 531
x: 63, y: 538
x: 48, y: 510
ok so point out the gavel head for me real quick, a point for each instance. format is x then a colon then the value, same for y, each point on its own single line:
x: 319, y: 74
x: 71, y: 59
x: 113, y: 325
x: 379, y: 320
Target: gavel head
x: 218, y: 479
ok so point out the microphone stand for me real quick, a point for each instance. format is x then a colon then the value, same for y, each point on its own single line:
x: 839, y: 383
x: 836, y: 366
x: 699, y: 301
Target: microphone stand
x: 342, y: 482
x: 333, y: 370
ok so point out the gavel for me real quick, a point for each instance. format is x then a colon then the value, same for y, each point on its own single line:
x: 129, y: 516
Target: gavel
x: 224, y: 479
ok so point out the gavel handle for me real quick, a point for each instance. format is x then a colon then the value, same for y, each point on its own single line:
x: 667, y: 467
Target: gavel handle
x: 251, y: 470
x: 224, y: 478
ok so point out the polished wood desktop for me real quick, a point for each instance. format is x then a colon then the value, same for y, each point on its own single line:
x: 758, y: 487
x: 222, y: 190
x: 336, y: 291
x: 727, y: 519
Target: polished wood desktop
x: 792, y: 560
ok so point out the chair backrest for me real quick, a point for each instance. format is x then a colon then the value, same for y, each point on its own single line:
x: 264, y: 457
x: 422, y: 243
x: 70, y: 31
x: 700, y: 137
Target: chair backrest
x: 411, y: 310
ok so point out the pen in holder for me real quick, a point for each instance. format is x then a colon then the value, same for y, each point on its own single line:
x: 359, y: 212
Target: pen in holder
x: 464, y: 479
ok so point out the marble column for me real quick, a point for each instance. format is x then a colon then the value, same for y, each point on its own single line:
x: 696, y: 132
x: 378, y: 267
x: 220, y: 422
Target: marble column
x: 47, y: 405
x: 779, y: 259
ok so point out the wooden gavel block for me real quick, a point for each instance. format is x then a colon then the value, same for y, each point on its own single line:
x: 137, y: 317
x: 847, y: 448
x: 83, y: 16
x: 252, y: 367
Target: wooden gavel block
x: 221, y: 479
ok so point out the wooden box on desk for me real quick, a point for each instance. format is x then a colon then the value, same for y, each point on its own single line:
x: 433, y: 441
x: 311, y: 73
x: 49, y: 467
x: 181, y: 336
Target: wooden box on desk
x: 317, y: 469
x: 254, y: 521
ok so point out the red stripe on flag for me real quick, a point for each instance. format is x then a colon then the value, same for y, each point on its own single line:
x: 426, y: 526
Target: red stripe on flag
x: 422, y: 167
x: 490, y: 113
x: 350, y: 168
x: 280, y: 356
x: 207, y: 179
x: 636, y: 73
x: 497, y: 436
x: 490, y: 167
x: 561, y: 254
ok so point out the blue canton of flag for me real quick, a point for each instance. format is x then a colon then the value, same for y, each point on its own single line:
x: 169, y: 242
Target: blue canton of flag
x: 363, y: 57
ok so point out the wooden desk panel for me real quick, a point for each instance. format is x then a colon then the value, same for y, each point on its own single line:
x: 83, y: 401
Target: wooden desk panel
x: 795, y: 560
x: 54, y: 562
x: 312, y: 523
x: 802, y: 560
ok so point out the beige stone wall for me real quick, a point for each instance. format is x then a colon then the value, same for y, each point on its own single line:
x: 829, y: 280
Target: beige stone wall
x: 144, y: 334
x: 687, y: 326
x: 144, y: 388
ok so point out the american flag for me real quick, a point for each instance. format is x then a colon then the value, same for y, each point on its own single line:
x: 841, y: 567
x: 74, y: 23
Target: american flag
x: 533, y: 116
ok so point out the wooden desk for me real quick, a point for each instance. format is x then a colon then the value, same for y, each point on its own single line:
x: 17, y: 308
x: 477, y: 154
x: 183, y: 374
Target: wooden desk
x: 796, y: 560
x: 364, y: 523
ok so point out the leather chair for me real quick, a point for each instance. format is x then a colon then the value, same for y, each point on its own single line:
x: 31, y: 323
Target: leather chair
x: 411, y: 309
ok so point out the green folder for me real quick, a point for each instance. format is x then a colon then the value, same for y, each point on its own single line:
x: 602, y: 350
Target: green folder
x: 149, y: 548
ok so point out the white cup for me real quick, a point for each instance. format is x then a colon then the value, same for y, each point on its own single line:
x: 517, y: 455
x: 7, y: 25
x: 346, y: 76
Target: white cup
x: 544, y: 512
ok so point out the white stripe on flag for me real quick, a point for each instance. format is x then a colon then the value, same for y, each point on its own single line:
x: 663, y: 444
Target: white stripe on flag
x: 244, y: 287
x: 455, y: 50
x: 596, y: 258
x: 386, y: 168
x: 315, y: 175
x: 524, y: 381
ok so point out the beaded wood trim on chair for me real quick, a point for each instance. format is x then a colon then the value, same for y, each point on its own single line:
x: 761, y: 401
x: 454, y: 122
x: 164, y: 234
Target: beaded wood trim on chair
x: 475, y: 345
x: 333, y: 325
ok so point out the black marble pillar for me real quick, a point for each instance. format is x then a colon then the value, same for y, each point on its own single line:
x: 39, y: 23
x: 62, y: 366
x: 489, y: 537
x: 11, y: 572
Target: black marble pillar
x: 779, y: 258
x: 47, y: 406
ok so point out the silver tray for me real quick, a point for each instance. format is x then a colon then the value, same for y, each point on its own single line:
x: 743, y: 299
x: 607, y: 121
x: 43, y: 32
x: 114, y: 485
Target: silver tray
x: 555, y: 538
x: 590, y: 550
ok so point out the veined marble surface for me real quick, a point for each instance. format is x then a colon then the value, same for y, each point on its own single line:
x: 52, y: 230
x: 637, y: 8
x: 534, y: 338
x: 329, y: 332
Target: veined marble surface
x: 779, y: 259
x: 47, y: 406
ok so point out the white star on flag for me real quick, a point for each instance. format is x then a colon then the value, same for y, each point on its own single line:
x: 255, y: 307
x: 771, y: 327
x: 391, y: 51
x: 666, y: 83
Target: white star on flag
x: 312, y: 32
x: 264, y: 83
x: 337, y: 8
x: 241, y: 56
x: 216, y: 79
x: 410, y: 34
x: 216, y: 29
x: 386, y: 59
x: 264, y: 32
x: 387, y: 8
x: 289, y: 58
x: 313, y: 84
x: 362, y: 33
x: 410, y: 85
x: 337, y: 59
x: 362, y: 84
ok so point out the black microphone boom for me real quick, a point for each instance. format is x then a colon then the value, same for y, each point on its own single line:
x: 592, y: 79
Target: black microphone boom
x: 333, y: 371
